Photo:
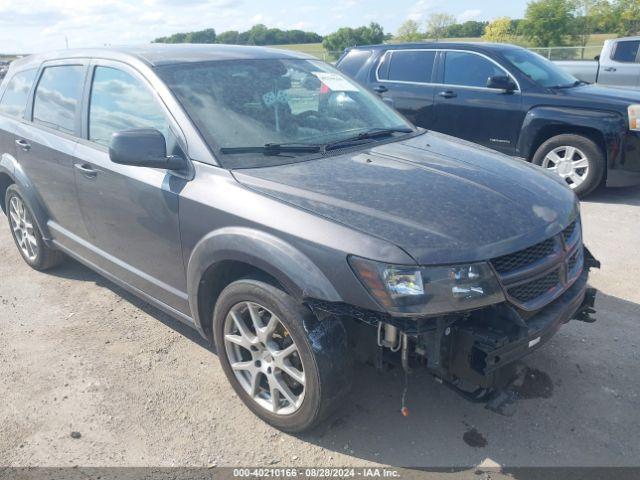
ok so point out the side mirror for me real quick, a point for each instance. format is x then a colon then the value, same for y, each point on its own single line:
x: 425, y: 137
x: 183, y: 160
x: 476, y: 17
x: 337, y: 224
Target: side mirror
x: 597, y: 58
x: 501, y: 82
x: 142, y: 147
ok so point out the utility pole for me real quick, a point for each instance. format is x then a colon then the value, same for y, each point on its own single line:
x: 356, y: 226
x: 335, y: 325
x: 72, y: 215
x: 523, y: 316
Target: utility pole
x: 66, y: 41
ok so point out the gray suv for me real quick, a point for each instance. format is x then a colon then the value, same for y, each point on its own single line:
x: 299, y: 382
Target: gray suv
x: 288, y: 215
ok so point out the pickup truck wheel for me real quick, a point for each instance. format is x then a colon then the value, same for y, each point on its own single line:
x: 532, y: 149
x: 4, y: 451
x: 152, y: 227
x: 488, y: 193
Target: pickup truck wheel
x: 26, y: 234
x: 576, y: 159
x: 263, y: 338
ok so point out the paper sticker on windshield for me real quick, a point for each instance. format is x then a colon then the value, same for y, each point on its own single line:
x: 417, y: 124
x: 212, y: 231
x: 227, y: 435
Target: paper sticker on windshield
x: 336, y: 82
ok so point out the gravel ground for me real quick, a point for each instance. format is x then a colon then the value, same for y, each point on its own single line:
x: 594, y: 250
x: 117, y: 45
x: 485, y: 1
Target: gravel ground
x: 78, y: 354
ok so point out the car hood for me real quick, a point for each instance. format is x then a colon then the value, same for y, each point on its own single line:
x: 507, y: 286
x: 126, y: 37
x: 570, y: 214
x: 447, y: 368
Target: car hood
x: 440, y: 199
x: 608, y: 95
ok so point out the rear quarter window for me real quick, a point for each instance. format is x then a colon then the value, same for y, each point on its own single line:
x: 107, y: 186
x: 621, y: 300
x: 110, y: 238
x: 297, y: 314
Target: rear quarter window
x: 14, y: 99
x: 57, y: 97
x: 411, y: 66
x: 353, y: 61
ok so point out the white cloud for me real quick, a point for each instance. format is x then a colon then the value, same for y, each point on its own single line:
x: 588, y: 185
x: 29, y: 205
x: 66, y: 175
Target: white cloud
x: 467, y: 15
x: 29, y: 26
x: 421, y: 9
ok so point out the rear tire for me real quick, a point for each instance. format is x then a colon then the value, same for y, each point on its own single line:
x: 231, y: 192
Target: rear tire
x: 26, y: 234
x: 314, y: 377
x: 578, y: 160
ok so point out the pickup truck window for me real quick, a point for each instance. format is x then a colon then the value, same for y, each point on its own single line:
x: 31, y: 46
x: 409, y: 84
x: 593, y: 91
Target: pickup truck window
x: 626, y: 51
x: 539, y: 69
x: 469, y: 69
x: 15, y: 96
x: 411, y: 66
x: 57, y: 97
x: 120, y: 102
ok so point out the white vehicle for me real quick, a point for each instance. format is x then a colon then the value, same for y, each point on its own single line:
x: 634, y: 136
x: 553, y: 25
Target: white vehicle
x: 618, y: 64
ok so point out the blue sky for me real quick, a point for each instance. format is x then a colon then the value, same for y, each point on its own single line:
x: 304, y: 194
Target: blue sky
x: 39, y: 25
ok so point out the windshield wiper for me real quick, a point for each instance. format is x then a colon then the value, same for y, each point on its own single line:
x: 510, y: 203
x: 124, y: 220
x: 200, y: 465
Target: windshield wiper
x: 366, y: 135
x: 570, y: 85
x: 296, y: 147
x: 275, y: 148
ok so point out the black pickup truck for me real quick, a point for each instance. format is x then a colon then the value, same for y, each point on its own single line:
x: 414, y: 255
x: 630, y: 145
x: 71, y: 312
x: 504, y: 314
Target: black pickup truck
x: 512, y: 100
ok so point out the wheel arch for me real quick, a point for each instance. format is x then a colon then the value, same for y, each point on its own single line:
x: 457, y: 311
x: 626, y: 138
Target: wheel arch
x: 12, y: 173
x: 604, y: 128
x: 231, y: 253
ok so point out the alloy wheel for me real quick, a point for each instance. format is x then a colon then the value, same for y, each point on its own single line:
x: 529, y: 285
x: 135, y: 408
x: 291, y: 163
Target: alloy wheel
x: 23, y: 229
x: 570, y: 163
x: 264, y: 358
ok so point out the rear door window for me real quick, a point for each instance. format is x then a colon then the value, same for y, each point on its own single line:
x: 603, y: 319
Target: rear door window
x: 353, y: 61
x: 121, y: 102
x: 469, y: 70
x: 411, y: 66
x: 626, y: 52
x: 15, y: 96
x: 57, y: 97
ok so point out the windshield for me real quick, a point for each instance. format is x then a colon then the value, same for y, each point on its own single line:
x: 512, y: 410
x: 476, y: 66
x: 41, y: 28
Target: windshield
x: 237, y: 104
x: 542, y: 71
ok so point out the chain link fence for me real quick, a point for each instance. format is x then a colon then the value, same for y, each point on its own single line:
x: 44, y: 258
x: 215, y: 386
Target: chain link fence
x: 552, y: 53
x: 569, y: 53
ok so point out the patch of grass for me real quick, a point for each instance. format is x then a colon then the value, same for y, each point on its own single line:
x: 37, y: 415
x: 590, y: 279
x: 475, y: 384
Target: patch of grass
x: 315, y: 49
x: 593, y: 48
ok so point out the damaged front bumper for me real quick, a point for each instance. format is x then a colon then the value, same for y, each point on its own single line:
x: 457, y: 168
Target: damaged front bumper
x: 476, y: 350
x: 468, y: 350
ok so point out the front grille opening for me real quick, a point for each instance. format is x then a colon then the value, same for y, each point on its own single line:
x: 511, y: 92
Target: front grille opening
x: 567, y: 233
x: 530, y: 291
x: 574, y: 261
x: 514, y: 261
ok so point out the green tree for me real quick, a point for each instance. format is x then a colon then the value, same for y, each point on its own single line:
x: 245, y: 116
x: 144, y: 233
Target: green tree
x: 587, y: 17
x: 230, y: 36
x: 472, y: 28
x: 409, y: 31
x: 202, y: 36
x: 438, y: 24
x: 350, y: 37
x: 547, y: 23
x: 499, y: 31
x: 627, y: 14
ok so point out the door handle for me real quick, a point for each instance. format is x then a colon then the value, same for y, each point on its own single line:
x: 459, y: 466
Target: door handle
x: 86, y: 170
x: 610, y: 69
x: 380, y: 88
x: 23, y: 144
x: 448, y: 94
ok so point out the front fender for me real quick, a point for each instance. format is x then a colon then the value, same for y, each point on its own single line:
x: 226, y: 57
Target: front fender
x: 611, y: 125
x: 294, y: 270
x: 10, y: 167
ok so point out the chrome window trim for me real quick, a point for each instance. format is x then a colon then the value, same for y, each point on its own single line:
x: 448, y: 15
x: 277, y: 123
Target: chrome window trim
x: 389, y: 53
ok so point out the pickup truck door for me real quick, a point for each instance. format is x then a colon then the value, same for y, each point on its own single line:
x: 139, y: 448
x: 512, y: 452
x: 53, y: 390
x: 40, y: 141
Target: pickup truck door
x: 467, y: 109
x: 403, y: 79
x: 622, y: 69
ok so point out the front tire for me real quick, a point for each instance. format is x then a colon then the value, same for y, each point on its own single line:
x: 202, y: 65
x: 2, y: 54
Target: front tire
x: 263, y: 340
x: 578, y: 160
x: 26, y: 234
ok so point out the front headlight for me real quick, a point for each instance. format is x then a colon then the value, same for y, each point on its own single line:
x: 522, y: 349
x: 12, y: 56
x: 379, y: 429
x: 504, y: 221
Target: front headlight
x: 408, y: 290
x: 634, y: 117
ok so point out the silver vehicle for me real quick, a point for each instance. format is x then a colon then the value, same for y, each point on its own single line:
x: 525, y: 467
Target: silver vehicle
x: 618, y: 64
